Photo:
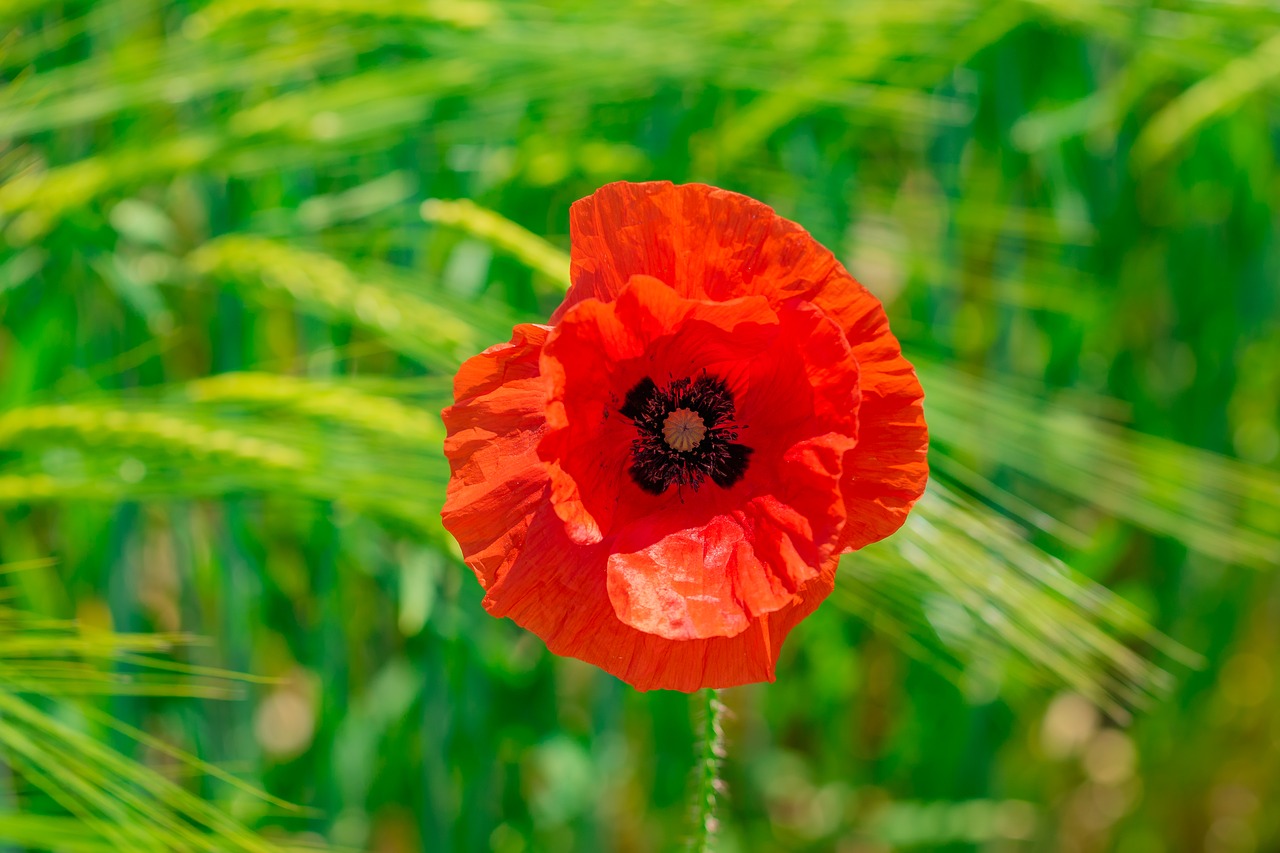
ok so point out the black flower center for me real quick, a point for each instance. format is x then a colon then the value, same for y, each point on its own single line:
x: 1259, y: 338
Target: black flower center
x: 685, y: 432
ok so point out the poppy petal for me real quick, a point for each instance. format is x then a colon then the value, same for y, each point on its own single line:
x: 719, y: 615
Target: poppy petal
x: 516, y: 359
x: 552, y: 570
x: 886, y: 473
x: 692, y: 583
x: 493, y: 430
x: 707, y: 243
x: 717, y: 576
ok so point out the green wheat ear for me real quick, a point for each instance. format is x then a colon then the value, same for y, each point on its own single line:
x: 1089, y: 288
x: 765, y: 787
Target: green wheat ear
x: 426, y: 330
x: 111, y: 801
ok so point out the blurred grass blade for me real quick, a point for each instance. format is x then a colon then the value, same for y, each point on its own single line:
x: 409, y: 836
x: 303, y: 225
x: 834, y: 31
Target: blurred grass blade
x: 384, y: 416
x: 421, y: 329
x: 1218, y: 506
x: 501, y: 233
x: 459, y: 13
x: 1212, y: 96
x: 976, y: 596
x: 115, y: 800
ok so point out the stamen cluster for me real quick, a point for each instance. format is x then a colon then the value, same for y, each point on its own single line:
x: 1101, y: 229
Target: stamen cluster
x: 657, y: 463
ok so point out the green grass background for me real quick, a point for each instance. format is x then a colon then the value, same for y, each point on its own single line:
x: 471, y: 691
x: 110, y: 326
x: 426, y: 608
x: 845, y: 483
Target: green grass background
x: 231, y: 301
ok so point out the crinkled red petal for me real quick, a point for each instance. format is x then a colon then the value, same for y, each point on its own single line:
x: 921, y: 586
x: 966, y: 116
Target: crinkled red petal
x: 493, y: 429
x: 887, y: 472
x: 557, y: 589
x: 707, y: 243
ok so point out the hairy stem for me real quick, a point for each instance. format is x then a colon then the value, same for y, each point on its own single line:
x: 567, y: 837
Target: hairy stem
x: 710, y: 786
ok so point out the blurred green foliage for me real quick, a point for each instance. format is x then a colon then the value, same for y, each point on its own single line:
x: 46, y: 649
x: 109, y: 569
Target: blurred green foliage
x: 243, y: 246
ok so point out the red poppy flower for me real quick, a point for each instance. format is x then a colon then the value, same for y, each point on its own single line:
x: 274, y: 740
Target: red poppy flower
x: 661, y: 481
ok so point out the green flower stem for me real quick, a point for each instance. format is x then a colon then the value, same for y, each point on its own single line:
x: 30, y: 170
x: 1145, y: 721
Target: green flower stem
x: 710, y: 785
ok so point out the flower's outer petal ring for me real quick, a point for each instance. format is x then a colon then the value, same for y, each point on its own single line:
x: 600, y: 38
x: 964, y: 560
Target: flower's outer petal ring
x: 556, y: 589
x: 493, y: 431
x: 709, y: 244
